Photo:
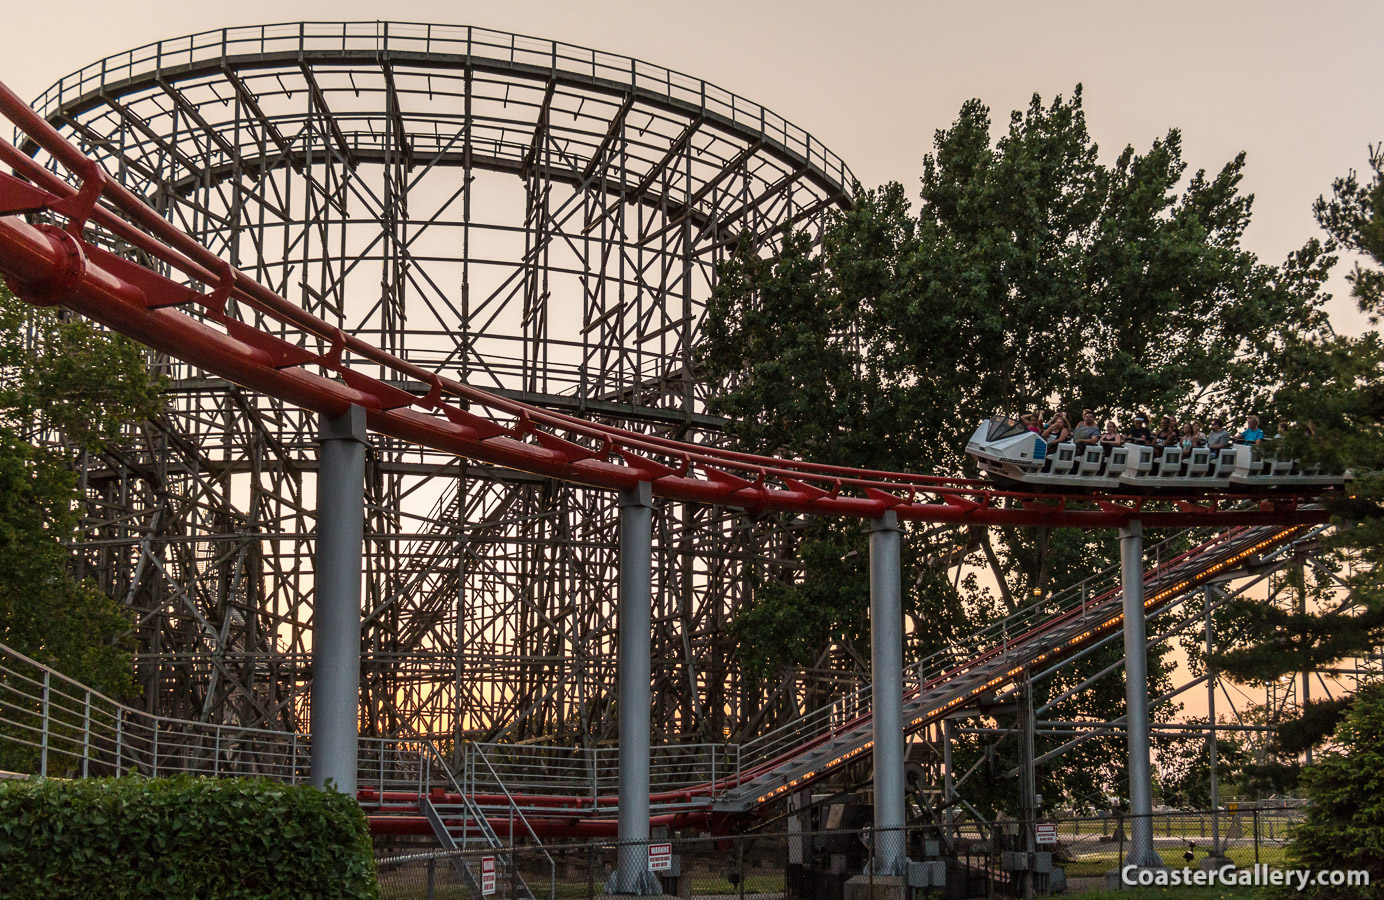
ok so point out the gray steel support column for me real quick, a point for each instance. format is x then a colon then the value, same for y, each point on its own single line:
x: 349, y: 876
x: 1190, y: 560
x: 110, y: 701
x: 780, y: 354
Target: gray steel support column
x: 1141, y: 852
x: 948, y: 779
x: 886, y: 693
x: 1211, y: 749
x: 1028, y: 725
x: 335, y: 699
x: 1300, y: 577
x: 635, y: 671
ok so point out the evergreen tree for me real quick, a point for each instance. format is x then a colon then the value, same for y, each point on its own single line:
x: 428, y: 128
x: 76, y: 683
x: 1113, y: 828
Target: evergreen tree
x: 1335, y: 384
x: 1344, y: 827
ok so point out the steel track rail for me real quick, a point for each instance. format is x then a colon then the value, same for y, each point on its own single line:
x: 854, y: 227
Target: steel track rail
x: 47, y: 265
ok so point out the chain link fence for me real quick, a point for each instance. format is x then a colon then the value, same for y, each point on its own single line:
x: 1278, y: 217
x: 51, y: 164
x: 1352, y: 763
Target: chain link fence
x: 808, y: 858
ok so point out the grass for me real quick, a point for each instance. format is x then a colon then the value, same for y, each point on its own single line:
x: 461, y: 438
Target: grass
x: 1219, y: 892
x: 1090, y: 865
x: 1188, y: 826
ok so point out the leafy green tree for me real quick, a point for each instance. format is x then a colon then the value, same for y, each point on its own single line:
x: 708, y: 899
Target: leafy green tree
x: 60, y: 377
x: 1029, y: 274
x: 1344, y: 827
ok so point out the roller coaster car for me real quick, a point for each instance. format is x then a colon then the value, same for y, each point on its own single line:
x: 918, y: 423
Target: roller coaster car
x: 1012, y: 456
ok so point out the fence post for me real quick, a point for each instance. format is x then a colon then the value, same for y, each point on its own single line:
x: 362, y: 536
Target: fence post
x: 43, y: 743
x: 432, y: 876
x: 293, y: 759
x: 994, y: 852
x: 874, y: 841
x: 119, y: 740
x: 86, y: 734
x: 740, y: 866
x: 216, y: 754
x: 154, y: 765
x: 1256, y: 834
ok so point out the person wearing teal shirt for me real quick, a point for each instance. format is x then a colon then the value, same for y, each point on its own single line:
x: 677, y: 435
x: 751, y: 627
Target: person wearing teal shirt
x: 1251, y: 434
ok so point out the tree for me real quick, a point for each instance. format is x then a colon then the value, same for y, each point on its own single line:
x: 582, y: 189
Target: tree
x: 1336, y: 383
x: 1029, y: 274
x: 1344, y: 825
x: 60, y: 376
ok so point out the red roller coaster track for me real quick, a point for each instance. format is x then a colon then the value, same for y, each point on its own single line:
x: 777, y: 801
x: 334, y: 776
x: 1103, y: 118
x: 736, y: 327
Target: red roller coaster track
x: 48, y: 265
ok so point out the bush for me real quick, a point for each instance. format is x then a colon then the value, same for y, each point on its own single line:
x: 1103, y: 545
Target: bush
x: 181, y: 837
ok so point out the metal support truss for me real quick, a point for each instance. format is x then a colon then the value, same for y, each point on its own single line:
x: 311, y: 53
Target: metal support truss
x: 530, y: 217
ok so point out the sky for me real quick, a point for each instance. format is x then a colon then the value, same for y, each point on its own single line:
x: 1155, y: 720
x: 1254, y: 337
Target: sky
x: 1295, y: 85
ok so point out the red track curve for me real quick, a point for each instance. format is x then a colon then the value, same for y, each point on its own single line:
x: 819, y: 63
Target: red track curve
x: 47, y: 265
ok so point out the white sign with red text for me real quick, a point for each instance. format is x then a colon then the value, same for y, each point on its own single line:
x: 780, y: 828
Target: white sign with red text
x: 660, y: 857
x: 487, y: 874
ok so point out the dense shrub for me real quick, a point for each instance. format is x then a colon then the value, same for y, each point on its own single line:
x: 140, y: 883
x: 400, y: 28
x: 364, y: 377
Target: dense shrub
x: 181, y: 837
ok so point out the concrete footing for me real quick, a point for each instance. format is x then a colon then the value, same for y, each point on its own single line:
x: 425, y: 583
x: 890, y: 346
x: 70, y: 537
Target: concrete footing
x: 880, y: 887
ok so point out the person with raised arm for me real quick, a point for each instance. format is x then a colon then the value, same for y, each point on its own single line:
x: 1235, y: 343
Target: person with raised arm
x: 1057, y: 431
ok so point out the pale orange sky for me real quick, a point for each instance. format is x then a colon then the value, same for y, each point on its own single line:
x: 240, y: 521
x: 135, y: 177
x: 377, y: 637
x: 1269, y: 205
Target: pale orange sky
x: 1295, y: 84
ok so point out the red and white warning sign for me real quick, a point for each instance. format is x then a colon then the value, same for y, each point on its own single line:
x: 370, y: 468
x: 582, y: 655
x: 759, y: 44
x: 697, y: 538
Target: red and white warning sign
x: 487, y: 874
x: 660, y: 857
x: 1046, y: 833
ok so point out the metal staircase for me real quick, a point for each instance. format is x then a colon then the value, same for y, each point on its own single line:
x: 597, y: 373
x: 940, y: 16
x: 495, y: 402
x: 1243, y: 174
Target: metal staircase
x: 986, y: 664
x: 465, y: 825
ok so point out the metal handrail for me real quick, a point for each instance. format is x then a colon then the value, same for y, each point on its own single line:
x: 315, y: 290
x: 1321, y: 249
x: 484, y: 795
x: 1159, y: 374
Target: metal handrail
x: 469, y: 804
x: 62, y: 719
x: 57, y: 718
x: 516, y: 810
x: 508, y: 797
x: 821, y: 723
